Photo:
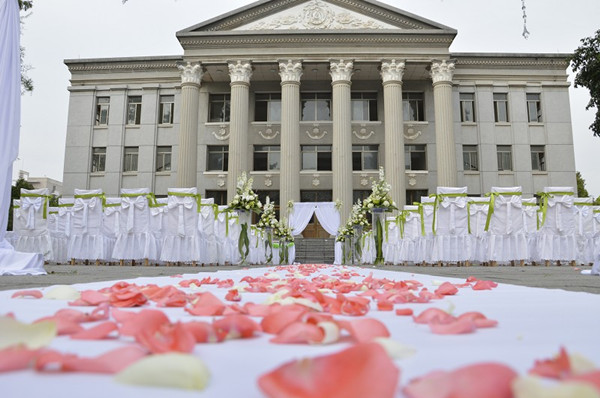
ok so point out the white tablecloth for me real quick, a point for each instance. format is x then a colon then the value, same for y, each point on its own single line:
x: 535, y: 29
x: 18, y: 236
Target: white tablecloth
x: 533, y: 324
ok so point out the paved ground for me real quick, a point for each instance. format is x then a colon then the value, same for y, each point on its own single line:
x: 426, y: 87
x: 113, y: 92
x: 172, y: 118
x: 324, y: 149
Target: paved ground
x: 553, y: 277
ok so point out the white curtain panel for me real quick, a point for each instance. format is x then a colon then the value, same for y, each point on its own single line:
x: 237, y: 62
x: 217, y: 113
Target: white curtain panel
x: 328, y: 216
x: 300, y: 216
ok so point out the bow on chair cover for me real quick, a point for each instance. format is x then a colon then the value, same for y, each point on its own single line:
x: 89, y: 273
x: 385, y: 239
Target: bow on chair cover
x: 180, y: 204
x: 130, y: 203
x: 29, y: 206
x: 511, y: 199
x: 584, y: 214
x: 452, y: 201
x: 478, y: 211
x: 85, y: 203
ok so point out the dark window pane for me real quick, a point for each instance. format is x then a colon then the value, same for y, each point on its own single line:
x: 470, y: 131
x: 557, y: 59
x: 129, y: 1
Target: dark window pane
x: 324, y: 161
x: 370, y: 161
x: 260, y: 111
x: 260, y: 161
x: 356, y: 161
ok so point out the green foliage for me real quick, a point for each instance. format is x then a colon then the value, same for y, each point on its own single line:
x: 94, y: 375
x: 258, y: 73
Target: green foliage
x: 586, y: 64
x: 581, y: 190
x: 15, y: 193
x: 25, y: 5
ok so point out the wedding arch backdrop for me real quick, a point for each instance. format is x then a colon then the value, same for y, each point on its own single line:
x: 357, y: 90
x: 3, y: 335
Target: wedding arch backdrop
x: 326, y: 212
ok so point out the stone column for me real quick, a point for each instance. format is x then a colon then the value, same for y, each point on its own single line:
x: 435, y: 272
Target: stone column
x: 391, y: 74
x: 240, y: 73
x: 441, y: 74
x: 341, y: 73
x: 289, y: 175
x: 191, y: 78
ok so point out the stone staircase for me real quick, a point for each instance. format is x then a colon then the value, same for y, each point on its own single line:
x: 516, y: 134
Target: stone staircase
x: 314, y: 251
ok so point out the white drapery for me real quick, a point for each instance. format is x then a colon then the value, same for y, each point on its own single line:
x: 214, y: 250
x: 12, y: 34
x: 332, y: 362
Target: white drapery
x: 11, y: 262
x: 326, y: 213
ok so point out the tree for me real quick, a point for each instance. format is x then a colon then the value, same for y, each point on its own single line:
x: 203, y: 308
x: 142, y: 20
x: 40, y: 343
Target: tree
x: 26, y: 81
x: 581, y: 190
x: 15, y: 193
x: 586, y: 63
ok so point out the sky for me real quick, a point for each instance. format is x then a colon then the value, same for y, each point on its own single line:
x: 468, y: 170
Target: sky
x: 65, y: 29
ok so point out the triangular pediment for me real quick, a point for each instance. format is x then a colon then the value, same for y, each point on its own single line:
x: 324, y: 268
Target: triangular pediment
x: 298, y: 15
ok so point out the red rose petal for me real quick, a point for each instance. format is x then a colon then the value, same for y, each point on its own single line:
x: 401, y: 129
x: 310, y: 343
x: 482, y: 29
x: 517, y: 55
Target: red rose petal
x: 299, y: 333
x: 236, y: 326
x: 145, y: 320
x: 479, y: 319
x: 554, y: 368
x: 278, y: 320
x: 385, y: 305
x: 27, y: 293
x: 97, y: 332
x: 233, y: 295
x: 112, y: 362
x: 17, y: 358
x: 404, y: 311
x: 433, y: 315
x: 204, y: 332
x: 446, y: 289
x: 364, y: 330
x: 484, y: 285
x: 363, y: 370
x: 206, y: 304
x: 167, y: 338
x: 459, y: 326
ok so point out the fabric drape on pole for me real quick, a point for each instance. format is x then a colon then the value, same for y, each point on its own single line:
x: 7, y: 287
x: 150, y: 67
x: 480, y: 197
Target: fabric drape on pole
x: 327, y: 214
x: 11, y: 262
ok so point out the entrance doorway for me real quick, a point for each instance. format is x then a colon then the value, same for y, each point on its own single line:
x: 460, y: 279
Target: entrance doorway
x: 314, y: 228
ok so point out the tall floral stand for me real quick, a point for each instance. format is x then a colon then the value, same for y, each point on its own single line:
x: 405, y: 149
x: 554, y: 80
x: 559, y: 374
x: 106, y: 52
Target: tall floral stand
x: 378, y: 233
x: 268, y: 231
x: 245, y: 220
x: 347, y: 250
x: 357, y: 244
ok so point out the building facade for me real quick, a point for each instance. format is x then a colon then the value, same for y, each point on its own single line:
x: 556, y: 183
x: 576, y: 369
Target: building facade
x: 310, y: 98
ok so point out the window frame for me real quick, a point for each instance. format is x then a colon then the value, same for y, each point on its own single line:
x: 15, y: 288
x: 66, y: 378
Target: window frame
x: 497, y: 104
x: 270, y: 99
x: 362, y: 149
x: 270, y: 151
x: 327, y: 97
x: 100, y: 107
x: 161, y: 156
x: 222, y: 150
x: 225, y: 100
x: 419, y: 100
x: 408, y: 157
x: 318, y: 149
x: 164, y: 104
x: 467, y: 104
x: 500, y: 150
x: 219, y: 196
x: 536, y: 151
x: 131, y: 158
x: 370, y: 99
x: 537, y: 104
x: 472, y: 152
x: 98, y: 160
x: 134, y: 107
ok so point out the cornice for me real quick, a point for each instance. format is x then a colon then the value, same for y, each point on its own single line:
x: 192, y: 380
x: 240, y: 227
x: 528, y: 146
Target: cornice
x: 124, y: 64
x: 558, y: 61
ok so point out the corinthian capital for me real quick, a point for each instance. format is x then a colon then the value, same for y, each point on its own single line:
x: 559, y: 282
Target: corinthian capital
x: 290, y: 71
x: 240, y: 72
x: 442, y: 71
x: 392, y: 70
x: 341, y: 71
x: 191, y: 73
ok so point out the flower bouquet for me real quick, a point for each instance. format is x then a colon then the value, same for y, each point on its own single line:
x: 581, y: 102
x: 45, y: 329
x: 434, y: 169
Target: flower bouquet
x: 378, y: 203
x: 268, y: 222
x: 244, y: 202
x: 344, y: 236
x: 358, y: 221
x: 284, y: 238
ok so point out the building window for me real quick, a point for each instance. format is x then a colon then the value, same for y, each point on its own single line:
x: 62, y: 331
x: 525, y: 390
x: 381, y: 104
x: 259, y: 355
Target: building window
x: 315, y: 107
x: 220, y: 197
x: 504, y: 158
x: 501, y: 107
x: 102, y: 106
x: 467, y: 107
x: 364, y: 157
x: 273, y: 197
x: 415, y: 157
x: 266, y: 157
x: 361, y: 194
x: 316, y: 196
x: 218, y: 158
x: 470, y: 158
x: 413, y: 106
x: 219, y: 107
x: 165, y: 110
x: 130, y: 159
x: 267, y: 107
x: 364, y: 107
x: 534, y: 108
x: 98, y: 159
x: 163, y: 158
x: 414, y: 195
x: 134, y: 109
x: 538, y: 158
x: 316, y: 157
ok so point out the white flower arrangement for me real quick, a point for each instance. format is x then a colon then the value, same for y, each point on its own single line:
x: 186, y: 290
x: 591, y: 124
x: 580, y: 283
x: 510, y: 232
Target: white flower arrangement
x: 357, y: 218
x: 380, y: 196
x: 283, y: 231
x: 267, y: 218
x: 245, y: 198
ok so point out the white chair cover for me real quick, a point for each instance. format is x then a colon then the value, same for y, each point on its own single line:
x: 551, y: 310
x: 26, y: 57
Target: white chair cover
x: 58, y: 236
x: 584, y: 229
x: 180, y: 243
x: 158, y: 225
x: 11, y: 237
x: 556, y: 236
x: 596, y: 232
x: 257, y: 246
x: 86, y: 241
x: 110, y: 226
x: 32, y: 224
x: 531, y: 222
x: 451, y: 241
x: 223, y: 224
x: 426, y: 242
x: 206, y: 228
x: 507, y: 239
x: 391, y: 241
x: 133, y: 242
x: 478, y: 214
x: 412, y: 233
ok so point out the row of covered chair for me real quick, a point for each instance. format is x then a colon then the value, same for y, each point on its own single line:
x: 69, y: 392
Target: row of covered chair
x: 182, y: 228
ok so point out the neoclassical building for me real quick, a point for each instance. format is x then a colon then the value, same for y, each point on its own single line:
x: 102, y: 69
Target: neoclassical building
x: 311, y: 97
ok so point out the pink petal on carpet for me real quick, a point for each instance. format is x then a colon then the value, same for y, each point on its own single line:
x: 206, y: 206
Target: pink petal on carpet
x: 299, y: 333
x: 455, y: 327
x: 97, y: 332
x: 236, y: 326
x: 17, y: 358
x: 363, y: 330
x: 558, y: 367
x: 433, y: 315
x: 27, y: 294
x: 446, y: 289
